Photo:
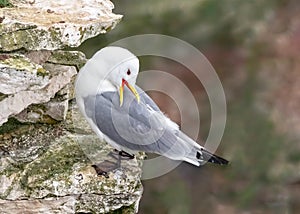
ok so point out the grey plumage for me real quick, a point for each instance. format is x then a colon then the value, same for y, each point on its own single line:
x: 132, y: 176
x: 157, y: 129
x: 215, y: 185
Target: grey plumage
x: 141, y: 127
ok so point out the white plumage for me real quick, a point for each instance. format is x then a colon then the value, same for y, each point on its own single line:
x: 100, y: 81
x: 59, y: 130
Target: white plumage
x: 125, y: 116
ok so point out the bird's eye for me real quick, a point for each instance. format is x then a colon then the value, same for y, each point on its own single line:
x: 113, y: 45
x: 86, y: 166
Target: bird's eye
x: 128, y: 72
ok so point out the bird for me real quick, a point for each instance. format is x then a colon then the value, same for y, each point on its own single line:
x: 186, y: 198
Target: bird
x: 123, y: 115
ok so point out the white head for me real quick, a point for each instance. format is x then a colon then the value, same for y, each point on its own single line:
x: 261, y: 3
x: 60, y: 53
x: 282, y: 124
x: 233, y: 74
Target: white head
x: 108, y: 70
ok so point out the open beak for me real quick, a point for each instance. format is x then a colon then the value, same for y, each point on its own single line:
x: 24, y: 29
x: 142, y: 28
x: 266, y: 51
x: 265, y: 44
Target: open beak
x: 131, y: 88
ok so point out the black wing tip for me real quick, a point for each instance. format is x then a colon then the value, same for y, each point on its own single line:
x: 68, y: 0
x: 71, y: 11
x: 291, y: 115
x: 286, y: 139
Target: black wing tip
x: 218, y: 160
x: 207, y: 156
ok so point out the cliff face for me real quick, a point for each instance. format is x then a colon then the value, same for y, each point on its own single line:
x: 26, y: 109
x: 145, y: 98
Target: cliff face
x: 46, y: 147
x: 47, y: 169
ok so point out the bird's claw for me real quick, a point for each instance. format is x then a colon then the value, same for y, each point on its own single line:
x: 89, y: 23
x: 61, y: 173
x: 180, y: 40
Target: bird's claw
x: 100, y: 172
x: 103, y: 168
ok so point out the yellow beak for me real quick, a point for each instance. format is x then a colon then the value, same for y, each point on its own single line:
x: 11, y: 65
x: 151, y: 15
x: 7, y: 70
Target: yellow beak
x: 131, y: 88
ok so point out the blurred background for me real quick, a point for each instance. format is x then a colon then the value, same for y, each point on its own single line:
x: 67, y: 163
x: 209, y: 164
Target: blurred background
x: 254, y: 47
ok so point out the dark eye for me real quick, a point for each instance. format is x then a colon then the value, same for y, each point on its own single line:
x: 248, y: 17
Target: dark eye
x: 128, y: 72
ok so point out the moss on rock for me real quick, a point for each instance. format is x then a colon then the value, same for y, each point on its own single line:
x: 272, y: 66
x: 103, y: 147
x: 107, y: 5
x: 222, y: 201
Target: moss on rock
x: 5, y: 3
x: 75, y: 58
x: 57, y: 164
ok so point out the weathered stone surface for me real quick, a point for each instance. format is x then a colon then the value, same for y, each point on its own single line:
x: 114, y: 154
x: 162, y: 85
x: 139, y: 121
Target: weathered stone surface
x: 52, y: 25
x: 18, y: 73
x: 53, y: 174
x: 47, y: 168
x: 29, y: 83
x: 50, y: 112
x: 75, y: 58
x: 64, y: 205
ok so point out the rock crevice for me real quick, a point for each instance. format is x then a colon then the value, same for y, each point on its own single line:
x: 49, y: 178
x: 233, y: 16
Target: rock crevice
x: 46, y: 147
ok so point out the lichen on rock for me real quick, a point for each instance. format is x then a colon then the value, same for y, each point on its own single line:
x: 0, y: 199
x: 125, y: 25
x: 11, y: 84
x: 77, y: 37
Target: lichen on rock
x: 52, y: 25
x: 75, y: 58
x: 56, y: 169
x: 46, y: 147
x: 27, y: 87
x: 18, y: 74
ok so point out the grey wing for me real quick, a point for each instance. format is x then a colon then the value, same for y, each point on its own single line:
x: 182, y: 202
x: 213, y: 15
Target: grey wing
x: 146, y: 99
x: 136, y: 126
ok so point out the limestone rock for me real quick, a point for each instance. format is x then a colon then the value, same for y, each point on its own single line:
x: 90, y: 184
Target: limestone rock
x: 47, y: 169
x: 52, y: 25
x: 19, y: 74
x: 28, y: 83
x: 75, y: 58
x: 50, y: 112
